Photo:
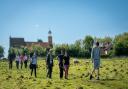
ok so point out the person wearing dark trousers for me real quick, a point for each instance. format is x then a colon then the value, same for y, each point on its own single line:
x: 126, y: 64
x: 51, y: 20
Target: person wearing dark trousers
x: 66, y: 64
x: 61, y: 64
x: 17, y: 61
x: 11, y: 57
x: 49, y: 63
x: 34, y: 64
x: 25, y: 60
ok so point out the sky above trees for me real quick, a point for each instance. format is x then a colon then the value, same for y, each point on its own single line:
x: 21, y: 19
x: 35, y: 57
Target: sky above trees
x: 69, y: 20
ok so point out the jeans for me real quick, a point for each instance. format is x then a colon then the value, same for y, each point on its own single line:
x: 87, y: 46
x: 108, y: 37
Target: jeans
x: 21, y: 64
x: 17, y: 64
x: 33, y: 68
x: 49, y: 71
x: 61, y: 71
x: 10, y: 64
x: 25, y: 63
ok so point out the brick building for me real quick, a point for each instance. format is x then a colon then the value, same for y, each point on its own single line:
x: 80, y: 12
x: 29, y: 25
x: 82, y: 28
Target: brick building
x: 19, y: 42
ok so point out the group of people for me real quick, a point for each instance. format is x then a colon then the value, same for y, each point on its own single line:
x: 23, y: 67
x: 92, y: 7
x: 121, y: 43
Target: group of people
x: 20, y: 59
x: 63, y: 62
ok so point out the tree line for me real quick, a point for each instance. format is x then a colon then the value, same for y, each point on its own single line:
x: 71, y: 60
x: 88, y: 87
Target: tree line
x: 81, y: 48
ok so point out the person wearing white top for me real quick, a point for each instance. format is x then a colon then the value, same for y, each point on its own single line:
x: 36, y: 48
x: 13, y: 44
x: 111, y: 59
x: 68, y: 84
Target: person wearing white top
x: 17, y: 60
x: 25, y: 60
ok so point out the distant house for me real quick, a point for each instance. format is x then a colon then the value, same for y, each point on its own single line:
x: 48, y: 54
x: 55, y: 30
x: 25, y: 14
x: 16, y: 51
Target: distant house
x: 19, y: 42
x: 105, y: 48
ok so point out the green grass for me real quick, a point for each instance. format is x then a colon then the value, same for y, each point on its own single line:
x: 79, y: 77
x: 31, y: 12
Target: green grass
x: 113, y: 75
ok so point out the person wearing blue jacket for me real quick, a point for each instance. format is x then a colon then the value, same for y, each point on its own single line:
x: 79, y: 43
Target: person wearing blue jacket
x: 34, y: 63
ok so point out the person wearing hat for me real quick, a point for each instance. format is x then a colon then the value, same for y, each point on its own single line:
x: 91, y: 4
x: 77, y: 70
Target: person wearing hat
x: 49, y: 63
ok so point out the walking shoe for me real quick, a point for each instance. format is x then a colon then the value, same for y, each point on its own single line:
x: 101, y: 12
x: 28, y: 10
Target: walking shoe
x: 97, y: 78
x: 91, y: 77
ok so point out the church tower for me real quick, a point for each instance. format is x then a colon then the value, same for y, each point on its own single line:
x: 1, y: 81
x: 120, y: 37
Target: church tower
x: 50, y: 38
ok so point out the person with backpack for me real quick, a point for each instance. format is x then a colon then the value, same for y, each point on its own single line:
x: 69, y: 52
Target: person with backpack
x: 17, y: 60
x: 49, y: 63
x: 61, y: 64
x: 33, y: 63
x: 95, y: 56
x: 66, y: 64
x: 25, y: 60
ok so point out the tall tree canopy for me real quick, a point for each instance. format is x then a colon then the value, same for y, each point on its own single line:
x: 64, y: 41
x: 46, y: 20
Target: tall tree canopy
x: 1, y: 51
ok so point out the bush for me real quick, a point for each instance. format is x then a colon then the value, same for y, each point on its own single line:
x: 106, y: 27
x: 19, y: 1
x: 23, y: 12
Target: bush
x: 121, y: 45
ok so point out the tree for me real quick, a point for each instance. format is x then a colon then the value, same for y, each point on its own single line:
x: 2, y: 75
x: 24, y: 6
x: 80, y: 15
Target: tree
x: 39, y: 40
x: 1, y: 51
x: 87, y: 44
x: 59, y: 47
x: 41, y: 51
x: 78, y: 43
x: 121, y: 44
x: 105, y: 40
x: 73, y: 50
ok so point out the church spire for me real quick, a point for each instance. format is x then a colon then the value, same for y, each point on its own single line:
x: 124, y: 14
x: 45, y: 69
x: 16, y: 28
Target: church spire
x: 50, y: 38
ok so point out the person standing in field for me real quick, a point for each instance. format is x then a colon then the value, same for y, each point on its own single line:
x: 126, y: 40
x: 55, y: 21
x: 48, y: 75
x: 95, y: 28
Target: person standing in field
x: 66, y: 64
x: 49, y: 63
x: 33, y: 63
x: 61, y: 64
x: 25, y: 60
x: 11, y: 57
x: 21, y: 60
x: 17, y: 60
x: 95, y: 56
x: 31, y: 54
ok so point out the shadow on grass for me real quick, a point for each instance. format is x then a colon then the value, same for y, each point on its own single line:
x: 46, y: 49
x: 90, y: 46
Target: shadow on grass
x: 112, y: 79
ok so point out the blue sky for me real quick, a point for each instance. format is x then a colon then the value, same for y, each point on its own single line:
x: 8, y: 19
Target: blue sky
x: 69, y: 20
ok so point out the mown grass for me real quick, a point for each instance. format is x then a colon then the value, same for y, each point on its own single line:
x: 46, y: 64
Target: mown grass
x: 113, y: 75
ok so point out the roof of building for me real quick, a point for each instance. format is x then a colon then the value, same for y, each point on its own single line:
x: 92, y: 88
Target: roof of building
x: 44, y: 44
x: 17, y: 39
x: 20, y: 41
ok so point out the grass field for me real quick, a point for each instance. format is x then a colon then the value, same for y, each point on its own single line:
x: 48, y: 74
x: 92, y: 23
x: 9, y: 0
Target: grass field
x: 113, y: 75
